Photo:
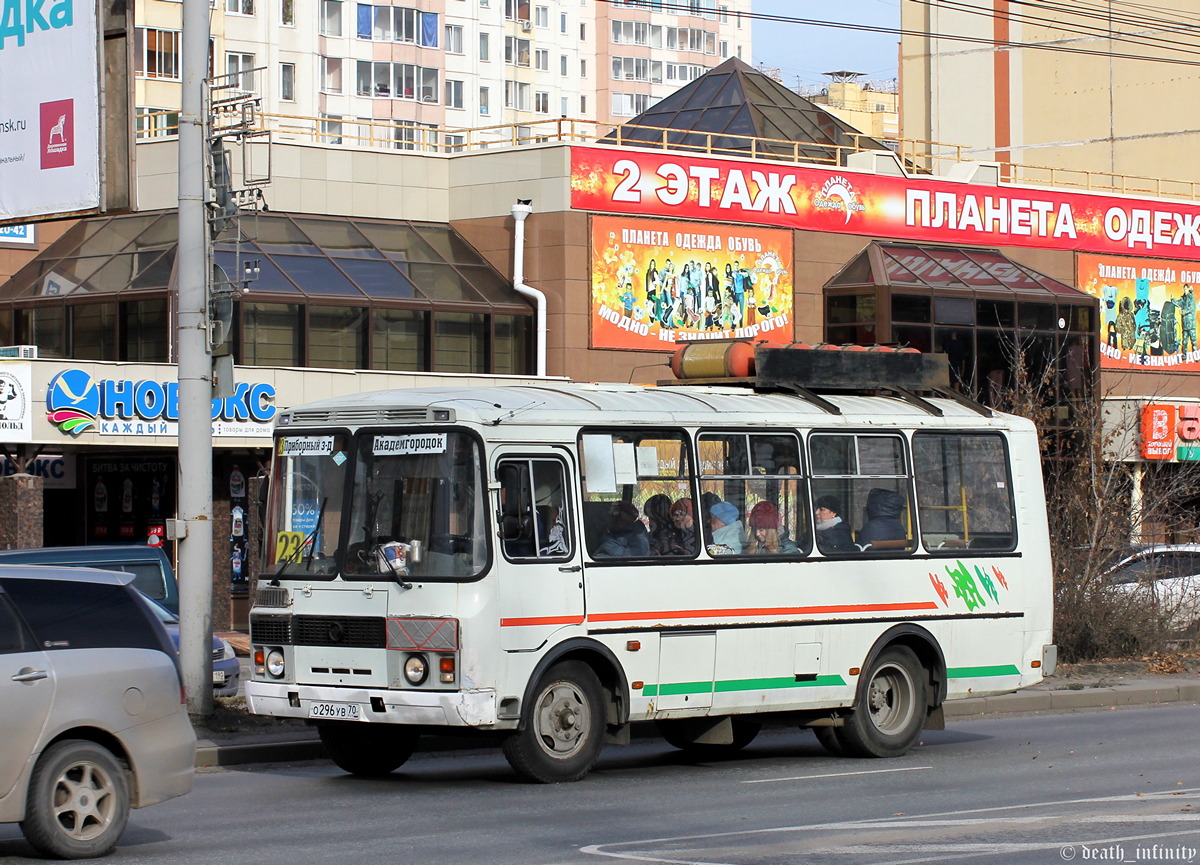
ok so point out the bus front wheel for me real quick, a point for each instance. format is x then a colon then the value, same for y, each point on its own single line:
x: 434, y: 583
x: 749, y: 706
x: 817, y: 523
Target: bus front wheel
x: 564, y: 726
x: 890, y: 710
x: 370, y: 750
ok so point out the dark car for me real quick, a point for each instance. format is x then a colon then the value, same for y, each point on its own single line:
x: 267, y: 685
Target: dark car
x: 153, y: 575
x: 91, y: 707
x: 226, y: 669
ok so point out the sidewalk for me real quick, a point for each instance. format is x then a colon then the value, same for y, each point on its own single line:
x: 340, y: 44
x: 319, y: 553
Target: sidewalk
x: 1071, y: 691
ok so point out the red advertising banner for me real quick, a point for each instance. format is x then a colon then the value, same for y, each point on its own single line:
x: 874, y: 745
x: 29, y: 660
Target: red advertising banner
x: 1147, y: 310
x: 660, y: 183
x: 657, y: 282
x: 1158, y: 432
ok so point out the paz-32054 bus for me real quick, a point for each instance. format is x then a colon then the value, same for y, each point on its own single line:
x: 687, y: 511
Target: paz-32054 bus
x: 555, y: 562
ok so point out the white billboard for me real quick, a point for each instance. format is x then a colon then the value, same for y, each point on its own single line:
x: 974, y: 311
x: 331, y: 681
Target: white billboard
x: 49, y: 108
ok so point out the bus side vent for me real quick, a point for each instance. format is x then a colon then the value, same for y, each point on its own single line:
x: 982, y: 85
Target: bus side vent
x: 358, y: 416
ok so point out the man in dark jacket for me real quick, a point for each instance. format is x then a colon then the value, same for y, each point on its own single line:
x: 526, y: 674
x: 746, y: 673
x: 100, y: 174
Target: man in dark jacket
x: 883, y: 517
x: 626, y: 535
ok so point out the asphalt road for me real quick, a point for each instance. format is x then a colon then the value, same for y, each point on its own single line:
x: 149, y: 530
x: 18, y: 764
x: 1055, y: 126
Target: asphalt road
x: 1111, y: 785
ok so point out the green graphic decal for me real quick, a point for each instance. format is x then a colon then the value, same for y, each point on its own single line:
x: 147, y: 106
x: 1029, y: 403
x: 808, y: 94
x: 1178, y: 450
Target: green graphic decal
x: 982, y: 672
x: 740, y: 685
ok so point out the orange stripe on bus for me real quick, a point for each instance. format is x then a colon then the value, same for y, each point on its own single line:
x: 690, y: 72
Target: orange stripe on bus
x: 541, y: 620
x: 702, y: 614
x: 765, y: 611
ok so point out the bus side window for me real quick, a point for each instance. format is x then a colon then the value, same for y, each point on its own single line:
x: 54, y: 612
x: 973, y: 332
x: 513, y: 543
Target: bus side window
x: 866, y: 475
x: 964, y: 492
x: 533, y: 519
x: 751, y: 494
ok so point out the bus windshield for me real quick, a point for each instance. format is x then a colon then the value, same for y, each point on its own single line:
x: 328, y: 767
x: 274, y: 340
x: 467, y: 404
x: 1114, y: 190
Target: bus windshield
x: 418, y: 508
x: 305, y: 517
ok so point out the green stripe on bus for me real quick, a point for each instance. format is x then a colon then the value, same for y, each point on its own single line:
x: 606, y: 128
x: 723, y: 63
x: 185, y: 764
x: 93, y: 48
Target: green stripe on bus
x: 982, y: 672
x: 740, y: 685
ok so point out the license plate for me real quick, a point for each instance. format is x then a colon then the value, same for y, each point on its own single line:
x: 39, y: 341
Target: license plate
x: 338, y: 711
x: 218, y: 677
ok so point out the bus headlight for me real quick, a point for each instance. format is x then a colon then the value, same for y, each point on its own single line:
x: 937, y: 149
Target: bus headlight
x: 275, y: 667
x: 416, y: 669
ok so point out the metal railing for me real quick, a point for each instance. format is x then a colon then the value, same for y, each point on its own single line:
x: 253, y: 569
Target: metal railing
x: 917, y: 155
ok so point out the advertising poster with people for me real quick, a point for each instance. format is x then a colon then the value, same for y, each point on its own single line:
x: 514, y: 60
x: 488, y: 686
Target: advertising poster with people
x: 659, y: 282
x: 1147, y: 310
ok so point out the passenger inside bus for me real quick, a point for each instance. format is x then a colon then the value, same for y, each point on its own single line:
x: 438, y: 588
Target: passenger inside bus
x: 626, y: 535
x: 833, y: 535
x: 883, y: 527
x: 767, y: 536
x: 683, y: 518
x: 727, y: 534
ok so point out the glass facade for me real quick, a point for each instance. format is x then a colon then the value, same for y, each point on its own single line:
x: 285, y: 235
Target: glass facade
x: 324, y: 292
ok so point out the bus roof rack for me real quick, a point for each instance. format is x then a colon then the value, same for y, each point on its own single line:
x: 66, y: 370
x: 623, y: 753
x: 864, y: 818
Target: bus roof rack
x: 809, y: 371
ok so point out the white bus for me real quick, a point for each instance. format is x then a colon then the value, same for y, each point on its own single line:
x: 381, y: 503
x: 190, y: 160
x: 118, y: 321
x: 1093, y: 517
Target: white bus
x: 553, y: 563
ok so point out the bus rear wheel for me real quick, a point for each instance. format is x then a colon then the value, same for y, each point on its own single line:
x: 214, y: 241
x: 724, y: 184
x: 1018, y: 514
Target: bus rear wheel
x: 563, y: 728
x: 680, y: 733
x: 370, y: 750
x: 890, y: 710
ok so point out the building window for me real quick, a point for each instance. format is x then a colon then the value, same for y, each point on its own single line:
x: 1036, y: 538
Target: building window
x: 629, y: 104
x: 156, y: 122
x: 485, y: 47
x: 331, y: 129
x: 562, y: 65
x: 516, y: 51
x: 400, y: 339
x: 541, y: 102
x: 518, y: 95
x: 454, y: 94
x: 583, y: 106
x: 143, y: 331
x: 638, y: 69
x: 460, y: 342
x: 541, y: 16
x: 397, y: 24
x: 562, y: 22
x: 541, y: 60
x: 287, y: 82
x: 724, y: 48
x: 582, y: 68
x: 239, y: 7
x: 454, y: 39
x: 337, y: 337
x: 384, y: 80
x: 516, y: 10
x: 331, y: 17
x: 485, y: 101
x: 287, y: 13
x: 156, y: 53
x: 331, y: 74
x: 240, y: 68
x: 691, y: 39
x: 684, y: 71
x: 636, y: 33
x: 565, y: 105
x: 272, y: 334
x: 455, y: 143
x: 582, y: 31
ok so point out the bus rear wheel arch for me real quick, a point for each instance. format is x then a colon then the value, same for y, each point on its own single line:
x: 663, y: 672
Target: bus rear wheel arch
x: 563, y: 726
x: 890, y: 706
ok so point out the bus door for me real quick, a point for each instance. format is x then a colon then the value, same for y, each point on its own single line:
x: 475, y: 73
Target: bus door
x: 540, y: 575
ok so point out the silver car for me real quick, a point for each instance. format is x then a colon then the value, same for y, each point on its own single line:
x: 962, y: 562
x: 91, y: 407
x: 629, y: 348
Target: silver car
x: 1167, y: 576
x: 91, y: 705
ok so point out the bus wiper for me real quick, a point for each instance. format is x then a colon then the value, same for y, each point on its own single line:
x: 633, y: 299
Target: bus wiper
x: 312, y: 538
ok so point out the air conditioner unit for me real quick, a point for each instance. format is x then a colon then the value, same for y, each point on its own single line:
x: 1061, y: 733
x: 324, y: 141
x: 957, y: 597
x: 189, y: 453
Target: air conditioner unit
x: 22, y: 351
x: 526, y: 26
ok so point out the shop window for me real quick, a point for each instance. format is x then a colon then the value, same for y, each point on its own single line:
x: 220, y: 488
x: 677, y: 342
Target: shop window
x: 994, y: 313
x: 400, y: 340
x: 42, y: 326
x: 850, y: 308
x: 511, y: 344
x: 272, y: 334
x: 143, y: 331
x: 912, y: 337
x: 1037, y: 316
x: 94, y: 331
x: 459, y: 342
x: 954, y: 310
x: 908, y: 307
x: 337, y: 337
x: 6, y: 326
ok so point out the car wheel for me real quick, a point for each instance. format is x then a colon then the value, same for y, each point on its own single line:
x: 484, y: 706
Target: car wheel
x: 564, y: 726
x: 890, y: 709
x: 370, y: 750
x: 679, y: 734
x: 78, y: 801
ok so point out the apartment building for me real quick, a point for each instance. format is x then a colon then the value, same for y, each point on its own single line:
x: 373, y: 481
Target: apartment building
x: 414, y: 72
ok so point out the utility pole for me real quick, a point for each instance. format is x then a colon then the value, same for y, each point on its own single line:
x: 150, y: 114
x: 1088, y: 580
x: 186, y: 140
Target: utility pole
x: 194, y: 526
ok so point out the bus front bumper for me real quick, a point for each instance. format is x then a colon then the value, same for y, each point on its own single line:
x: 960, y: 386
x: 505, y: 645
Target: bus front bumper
x: 425, y: 708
